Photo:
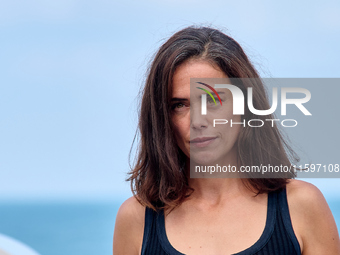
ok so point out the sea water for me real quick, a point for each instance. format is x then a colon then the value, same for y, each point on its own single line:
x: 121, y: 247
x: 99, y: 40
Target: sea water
x: 70, y: 228
x: 61, y: 228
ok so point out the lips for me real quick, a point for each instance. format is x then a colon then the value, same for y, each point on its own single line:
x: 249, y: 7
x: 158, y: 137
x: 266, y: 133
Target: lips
x: 202, y: 141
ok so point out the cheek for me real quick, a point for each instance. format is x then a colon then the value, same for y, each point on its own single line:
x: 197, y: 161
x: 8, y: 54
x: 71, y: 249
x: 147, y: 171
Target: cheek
x: 181, y: 126
x: 230, y: 132
x: 235, y: 129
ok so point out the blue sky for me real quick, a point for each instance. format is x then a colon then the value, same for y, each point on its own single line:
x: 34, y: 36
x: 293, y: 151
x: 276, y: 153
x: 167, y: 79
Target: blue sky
x: 70, y: 73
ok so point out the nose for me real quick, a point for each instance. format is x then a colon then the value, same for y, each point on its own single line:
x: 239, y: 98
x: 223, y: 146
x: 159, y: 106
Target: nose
x: 197, y: 120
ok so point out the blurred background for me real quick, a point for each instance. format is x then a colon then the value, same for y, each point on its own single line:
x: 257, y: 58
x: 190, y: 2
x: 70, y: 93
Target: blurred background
x: 70, y: 74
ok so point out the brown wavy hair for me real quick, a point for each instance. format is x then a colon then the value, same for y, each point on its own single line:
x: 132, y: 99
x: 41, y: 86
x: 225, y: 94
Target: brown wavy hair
x: 157, y: 178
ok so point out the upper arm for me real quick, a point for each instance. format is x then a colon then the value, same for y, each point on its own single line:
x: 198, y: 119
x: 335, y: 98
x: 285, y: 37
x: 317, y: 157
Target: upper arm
x: 129, y: 228
x: 312, y: 219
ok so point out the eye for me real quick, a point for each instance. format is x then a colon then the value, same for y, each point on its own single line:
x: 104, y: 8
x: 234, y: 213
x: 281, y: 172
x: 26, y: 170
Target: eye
x: 178, y: 107
x: 211, y: 101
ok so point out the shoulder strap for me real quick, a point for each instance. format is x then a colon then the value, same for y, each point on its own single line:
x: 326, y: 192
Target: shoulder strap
x: 149, y: 214
x: 283, y: 205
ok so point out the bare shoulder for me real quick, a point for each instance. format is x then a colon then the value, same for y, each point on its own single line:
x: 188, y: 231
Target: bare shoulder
x: 306, y: 193
x: 129, y: 228
x: 306, y: 199
x: 312, y: 219
x: 132, y: 210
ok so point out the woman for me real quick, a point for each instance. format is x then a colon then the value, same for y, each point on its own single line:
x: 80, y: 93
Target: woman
x: 171, y: 213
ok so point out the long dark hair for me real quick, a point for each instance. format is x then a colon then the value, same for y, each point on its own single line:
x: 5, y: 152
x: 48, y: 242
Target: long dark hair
x: 157, y: 180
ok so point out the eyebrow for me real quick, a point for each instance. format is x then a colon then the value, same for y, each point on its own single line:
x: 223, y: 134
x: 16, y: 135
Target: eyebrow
x: 178, y: 99
x: 214, y: 95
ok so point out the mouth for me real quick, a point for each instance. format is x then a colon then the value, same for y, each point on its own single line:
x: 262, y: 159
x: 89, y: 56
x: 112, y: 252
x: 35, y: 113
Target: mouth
x: 202, y: 141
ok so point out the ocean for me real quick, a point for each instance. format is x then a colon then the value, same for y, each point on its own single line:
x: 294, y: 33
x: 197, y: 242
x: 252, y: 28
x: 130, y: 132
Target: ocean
x: 61, y: 228
x: 70, y: 228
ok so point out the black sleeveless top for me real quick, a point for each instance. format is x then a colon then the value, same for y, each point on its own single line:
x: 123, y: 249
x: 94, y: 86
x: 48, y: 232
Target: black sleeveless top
x: 278, y: 237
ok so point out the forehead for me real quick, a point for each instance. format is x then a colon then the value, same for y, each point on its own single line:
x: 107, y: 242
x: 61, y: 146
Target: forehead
x: 193, y: 69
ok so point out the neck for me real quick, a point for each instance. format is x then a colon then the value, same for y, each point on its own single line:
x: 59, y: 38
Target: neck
x: 215, y: 190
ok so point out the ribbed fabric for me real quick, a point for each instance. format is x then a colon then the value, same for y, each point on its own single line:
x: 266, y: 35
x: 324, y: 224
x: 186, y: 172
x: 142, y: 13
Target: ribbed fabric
x: 278, y: 237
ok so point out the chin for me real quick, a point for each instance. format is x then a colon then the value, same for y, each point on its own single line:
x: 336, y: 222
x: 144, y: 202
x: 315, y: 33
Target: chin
x: 203, y: 158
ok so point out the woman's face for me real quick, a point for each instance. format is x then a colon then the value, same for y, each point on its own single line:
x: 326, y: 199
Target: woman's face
x: 195, y: 134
